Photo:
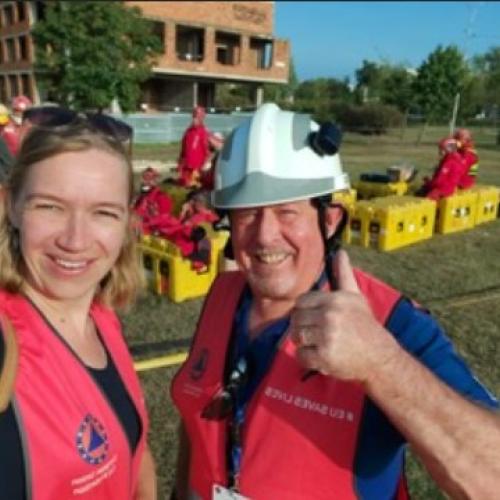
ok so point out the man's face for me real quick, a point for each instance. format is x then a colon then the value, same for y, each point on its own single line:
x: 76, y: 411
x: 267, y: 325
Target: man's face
x: 279, y: 248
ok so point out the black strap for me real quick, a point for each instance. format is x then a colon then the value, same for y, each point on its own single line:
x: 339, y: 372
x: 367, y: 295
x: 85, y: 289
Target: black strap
x: 8, y: 362
x: 333, y: 243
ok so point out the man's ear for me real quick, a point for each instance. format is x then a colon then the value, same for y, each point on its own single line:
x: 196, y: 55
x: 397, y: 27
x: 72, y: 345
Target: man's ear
x: 333, y: 217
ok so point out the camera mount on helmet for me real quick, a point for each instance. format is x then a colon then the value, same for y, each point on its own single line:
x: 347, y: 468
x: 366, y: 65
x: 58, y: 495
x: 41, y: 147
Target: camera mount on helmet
x: 327, y: 140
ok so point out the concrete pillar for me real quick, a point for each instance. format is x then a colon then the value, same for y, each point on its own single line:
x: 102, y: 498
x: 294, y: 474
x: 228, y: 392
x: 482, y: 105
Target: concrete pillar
x: 259, y: 95
x: 195, y: 94
x: 209, y: 49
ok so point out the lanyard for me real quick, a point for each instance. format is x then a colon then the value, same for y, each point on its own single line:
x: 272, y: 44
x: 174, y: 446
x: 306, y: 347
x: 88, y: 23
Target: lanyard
x: 251, y: 362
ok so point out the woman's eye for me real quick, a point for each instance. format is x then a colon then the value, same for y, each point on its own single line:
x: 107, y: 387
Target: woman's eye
x: 47, y: 206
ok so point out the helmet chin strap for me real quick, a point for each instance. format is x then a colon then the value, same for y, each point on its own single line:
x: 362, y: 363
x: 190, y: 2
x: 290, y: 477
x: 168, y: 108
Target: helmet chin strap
x: 331, y: 243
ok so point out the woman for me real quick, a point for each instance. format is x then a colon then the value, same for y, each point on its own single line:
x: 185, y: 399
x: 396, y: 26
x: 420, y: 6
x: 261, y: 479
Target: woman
x: 75, y: 424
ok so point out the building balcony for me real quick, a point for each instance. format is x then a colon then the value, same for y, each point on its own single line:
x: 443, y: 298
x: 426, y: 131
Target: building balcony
x: 208, y: 53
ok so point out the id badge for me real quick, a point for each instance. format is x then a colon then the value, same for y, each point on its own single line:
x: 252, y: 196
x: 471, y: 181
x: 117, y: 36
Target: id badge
x: 221, y: 493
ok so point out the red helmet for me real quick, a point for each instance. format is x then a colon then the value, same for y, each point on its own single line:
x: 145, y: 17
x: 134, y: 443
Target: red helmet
x: 448, y: 144
x: 21, y: 103
x: 199, y: 112
x: 464, y: 137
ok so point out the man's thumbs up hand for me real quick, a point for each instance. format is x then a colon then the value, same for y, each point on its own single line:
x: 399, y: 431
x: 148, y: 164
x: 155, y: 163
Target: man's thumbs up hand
x: 344, y: 273
x: 336, y: 332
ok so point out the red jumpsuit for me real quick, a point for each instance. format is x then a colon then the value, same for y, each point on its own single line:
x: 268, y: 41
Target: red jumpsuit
x: 191, y: 240
x: 154, y: 207
x: 470, y: 161
x: 194, y: 153
x: 195, y: 216
x: 11, y: 135
x: 446, y: 177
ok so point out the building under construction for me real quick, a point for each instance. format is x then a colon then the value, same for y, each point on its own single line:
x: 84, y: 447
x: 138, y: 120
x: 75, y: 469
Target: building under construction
x: 205, y: 44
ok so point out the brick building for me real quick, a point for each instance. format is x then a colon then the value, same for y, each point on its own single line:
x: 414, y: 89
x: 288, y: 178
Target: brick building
x: 204, y: 44
x: 16, y: 49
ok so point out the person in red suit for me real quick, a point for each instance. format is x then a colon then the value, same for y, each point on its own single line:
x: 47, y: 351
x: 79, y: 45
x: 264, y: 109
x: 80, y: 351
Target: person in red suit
x: 216, y: 142
x: 194, y: 150
x: 469, y: 157
x: 191, y: 237
x: 153, y: 206
x: 11, y: 131
x: 447, y: 174
x: 195, y: 211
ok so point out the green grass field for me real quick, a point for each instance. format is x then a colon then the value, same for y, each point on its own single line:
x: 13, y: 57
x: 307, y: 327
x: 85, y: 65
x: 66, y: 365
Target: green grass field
x: 456, y: 276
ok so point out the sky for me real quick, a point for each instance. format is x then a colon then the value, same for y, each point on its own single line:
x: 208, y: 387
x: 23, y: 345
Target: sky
x: 331, y: 39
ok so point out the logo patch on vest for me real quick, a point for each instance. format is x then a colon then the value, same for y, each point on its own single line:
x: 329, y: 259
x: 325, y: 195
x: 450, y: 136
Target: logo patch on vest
x: 92, y: 441
x: 200, y: 365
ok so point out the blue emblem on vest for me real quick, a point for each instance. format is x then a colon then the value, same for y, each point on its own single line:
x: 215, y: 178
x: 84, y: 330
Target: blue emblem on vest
x: 92, y: 441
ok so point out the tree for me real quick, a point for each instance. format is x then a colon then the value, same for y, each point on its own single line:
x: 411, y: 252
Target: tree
x: 473, y: 100
x: 89, y: 53
x: 229, y: 96
x: 369, y: 81
x: 397, y: 89
x: 440, y: 77
x: 322, y: 97
x: 488, y: 65
x: 385, y: 83
x: 324, y: 89
x: 283, y: 94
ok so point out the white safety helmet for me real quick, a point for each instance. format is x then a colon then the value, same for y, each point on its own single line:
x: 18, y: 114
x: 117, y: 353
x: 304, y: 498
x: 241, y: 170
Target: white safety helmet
x: 276, y: 157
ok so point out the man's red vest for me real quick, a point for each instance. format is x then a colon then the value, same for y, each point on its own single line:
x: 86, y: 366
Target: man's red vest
x: 74, y: 446
x: 299, y: 437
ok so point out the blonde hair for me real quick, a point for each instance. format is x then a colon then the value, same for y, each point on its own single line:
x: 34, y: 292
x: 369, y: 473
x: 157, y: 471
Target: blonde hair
x: 119, y: 288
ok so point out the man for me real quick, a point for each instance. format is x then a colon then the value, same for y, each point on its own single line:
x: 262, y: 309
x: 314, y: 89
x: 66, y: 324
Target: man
x: 306, y: 378
x: 194, y: 149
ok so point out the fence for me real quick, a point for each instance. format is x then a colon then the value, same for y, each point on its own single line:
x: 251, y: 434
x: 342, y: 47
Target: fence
x: 163, y: 128
x: 169, y: 127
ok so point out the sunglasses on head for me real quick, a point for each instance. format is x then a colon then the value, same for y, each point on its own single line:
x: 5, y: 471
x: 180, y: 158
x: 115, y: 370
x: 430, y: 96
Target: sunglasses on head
x: 56, y: 116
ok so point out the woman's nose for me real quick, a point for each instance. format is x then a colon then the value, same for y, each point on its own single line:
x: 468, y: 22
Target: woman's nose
x: 75, y: 234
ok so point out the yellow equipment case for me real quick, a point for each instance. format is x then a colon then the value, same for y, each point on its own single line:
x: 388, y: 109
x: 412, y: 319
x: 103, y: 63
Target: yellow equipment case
x: 392, y: 222
x: 488, y: 198
x: 169, y: 273
x: 367, y: 190
x: 457, y: 212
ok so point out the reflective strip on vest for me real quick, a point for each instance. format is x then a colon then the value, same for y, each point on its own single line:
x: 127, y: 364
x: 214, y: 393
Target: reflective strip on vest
x: 474, y: 170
